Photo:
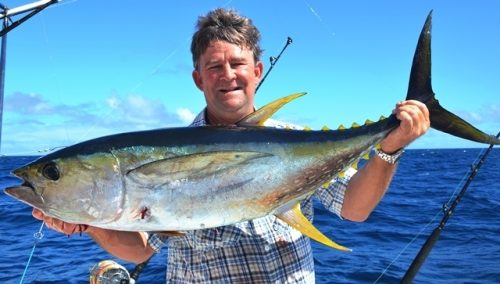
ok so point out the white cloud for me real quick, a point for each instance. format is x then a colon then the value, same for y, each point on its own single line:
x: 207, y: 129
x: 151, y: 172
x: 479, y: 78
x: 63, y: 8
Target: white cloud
x: 486, y: 114
x: 113, y: 102
x: 186, y: 115
x: 32, y: 123
x: 27, y: 103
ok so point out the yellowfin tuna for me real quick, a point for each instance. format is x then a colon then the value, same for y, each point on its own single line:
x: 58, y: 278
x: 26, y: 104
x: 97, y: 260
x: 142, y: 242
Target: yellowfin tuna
x: 190, y: 178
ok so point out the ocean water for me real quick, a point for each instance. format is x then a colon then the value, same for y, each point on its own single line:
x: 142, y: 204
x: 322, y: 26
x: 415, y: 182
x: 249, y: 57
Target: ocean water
x: 468, y: 250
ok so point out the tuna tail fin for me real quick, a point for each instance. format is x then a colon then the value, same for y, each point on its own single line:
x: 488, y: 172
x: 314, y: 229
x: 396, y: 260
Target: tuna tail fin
x: 420, y: 88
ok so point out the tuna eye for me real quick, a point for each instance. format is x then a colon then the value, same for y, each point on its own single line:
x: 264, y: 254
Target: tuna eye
x: 51, y: 171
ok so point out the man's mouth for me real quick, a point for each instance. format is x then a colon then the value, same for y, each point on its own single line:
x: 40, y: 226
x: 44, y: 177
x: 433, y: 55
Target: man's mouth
x: 232, y: 89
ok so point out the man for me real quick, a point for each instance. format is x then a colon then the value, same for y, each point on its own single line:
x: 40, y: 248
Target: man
x: 227, y: 69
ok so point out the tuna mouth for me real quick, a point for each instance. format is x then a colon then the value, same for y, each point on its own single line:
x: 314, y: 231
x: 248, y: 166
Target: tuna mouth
x: 28, y: 184
x: 26, y: 193
x: 14, y: 190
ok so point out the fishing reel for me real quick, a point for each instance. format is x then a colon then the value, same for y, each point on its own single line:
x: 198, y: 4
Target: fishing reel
x: 110, y: 272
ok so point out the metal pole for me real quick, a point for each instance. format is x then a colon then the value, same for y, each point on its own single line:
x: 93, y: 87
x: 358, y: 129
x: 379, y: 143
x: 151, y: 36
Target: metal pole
x: 34, y: 7
x: 2, y: 74
x: 25, y: 8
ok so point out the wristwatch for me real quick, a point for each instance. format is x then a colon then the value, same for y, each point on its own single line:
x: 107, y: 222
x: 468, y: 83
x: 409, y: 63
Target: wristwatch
x: 390, y: 158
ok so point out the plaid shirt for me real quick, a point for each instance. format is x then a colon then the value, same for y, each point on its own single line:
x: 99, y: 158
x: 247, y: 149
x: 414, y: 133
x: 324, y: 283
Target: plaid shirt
x: 264, y: 250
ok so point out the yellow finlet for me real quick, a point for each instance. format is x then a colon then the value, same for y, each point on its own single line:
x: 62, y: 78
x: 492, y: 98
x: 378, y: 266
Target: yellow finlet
x: 355, y: 125
x: 341, y: 127
x: 259, y: 116
x: 326, y: 184
x: 368, y: 122
x: 325, y: 128
x: 354, y: 165
x: 366, y: 156
x: 382, y: 117
x: 307, y: 128
x: 297, y: 220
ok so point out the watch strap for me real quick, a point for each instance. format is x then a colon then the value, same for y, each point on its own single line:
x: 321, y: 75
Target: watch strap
x: 390, y: 158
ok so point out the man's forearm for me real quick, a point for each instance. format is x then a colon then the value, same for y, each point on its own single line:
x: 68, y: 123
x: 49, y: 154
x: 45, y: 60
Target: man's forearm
x: 366, y: 188
x: 129, y: 246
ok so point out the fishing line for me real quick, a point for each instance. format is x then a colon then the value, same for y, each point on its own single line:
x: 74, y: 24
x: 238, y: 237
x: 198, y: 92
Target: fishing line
x: 407, y: 246
x: 447, y: 210
x: 419, y: 260
x: 63, y: 2
x: 155, y: 70
x: 318, y: 17
x: 38, y: 236
x: 56, y: 78
x: 464, y: 179
x: 50, y: 56
x: 431, y: 221
x: 140, y: 83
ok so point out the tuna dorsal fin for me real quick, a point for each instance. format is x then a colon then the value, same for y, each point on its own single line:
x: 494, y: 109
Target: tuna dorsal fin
x: 297, y: 220
x: 420, y: 88
x: 264, y: 113
x: 180, y: 168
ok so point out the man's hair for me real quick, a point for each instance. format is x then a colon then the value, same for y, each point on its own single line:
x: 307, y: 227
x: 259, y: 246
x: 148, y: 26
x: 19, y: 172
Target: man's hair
x: 228, y: 26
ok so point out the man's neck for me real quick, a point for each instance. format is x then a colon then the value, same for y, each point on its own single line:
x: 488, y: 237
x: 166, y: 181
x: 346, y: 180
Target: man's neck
x: 226, y: 120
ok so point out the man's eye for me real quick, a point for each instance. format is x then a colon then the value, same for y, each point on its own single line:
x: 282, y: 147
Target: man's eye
x: 238, y: 64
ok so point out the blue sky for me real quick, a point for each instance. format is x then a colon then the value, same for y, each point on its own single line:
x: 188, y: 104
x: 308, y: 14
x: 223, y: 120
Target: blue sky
x: 87, y: 68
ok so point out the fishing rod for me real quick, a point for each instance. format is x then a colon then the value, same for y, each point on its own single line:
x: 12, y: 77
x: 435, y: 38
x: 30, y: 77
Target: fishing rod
x: 138, y: 269
x: 273, y: 61
x: 432, y: 239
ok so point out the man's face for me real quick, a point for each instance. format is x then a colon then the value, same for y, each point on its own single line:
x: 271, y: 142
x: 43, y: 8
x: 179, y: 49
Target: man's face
x: 228, y: 75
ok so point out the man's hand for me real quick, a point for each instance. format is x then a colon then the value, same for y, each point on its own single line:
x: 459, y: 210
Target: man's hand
x: 415, y: 122
x: 58, y: 225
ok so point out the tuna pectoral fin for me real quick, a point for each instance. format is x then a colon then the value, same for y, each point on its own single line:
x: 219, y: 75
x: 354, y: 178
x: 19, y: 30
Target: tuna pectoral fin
x: 189, y: 167
x: 171, y: 233
x: 259, y: 116
x: 296, y: 219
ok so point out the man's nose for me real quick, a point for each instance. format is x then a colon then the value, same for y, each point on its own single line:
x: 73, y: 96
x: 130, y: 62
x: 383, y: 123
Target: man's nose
x: 228, y: 73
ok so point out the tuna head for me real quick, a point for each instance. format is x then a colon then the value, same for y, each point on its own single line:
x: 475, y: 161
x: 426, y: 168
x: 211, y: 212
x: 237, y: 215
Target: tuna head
x: 78, y: 189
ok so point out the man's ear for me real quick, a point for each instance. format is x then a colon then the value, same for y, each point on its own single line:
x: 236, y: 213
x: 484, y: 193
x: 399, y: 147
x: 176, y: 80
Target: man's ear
x: 197, y: 79
x: 259, y: 68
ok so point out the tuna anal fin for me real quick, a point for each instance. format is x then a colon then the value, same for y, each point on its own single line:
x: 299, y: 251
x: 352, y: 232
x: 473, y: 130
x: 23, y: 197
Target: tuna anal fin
x: 264, y: 113
x: 297, y: 220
